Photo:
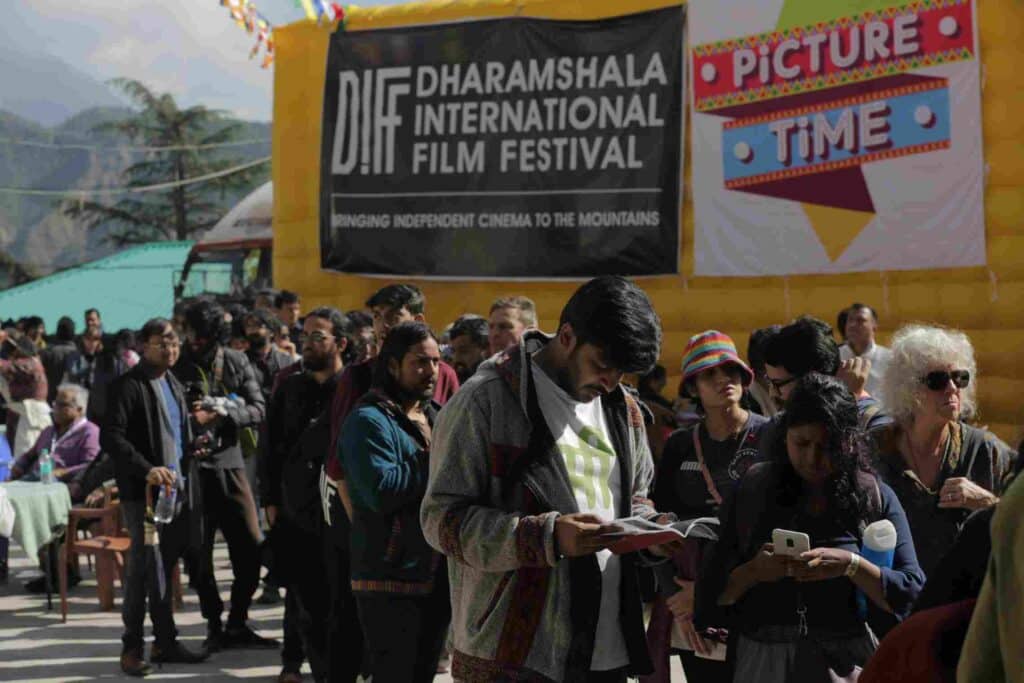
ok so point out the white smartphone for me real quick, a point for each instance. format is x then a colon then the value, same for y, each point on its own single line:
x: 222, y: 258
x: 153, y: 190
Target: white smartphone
x: 790, y: 542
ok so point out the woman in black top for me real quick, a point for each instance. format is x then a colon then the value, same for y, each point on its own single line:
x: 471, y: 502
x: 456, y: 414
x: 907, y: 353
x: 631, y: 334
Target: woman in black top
x: 787, y: 613
x: 701, y: 463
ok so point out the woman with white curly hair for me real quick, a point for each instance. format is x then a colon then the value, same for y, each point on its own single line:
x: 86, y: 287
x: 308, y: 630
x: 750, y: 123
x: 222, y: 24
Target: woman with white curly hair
x: 941, y: 468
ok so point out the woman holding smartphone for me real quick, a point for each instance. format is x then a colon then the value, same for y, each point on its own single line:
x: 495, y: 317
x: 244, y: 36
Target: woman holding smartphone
x: 796, y: 617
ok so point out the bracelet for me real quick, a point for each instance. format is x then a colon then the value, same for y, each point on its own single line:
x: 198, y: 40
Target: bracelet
x: 854, y: 565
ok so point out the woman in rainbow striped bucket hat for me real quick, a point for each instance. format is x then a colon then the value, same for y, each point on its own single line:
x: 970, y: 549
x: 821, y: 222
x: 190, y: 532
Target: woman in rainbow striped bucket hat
x: 701, y: 464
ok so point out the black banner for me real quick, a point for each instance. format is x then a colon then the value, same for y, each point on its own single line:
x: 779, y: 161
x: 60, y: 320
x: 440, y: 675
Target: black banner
x: 504, y: 148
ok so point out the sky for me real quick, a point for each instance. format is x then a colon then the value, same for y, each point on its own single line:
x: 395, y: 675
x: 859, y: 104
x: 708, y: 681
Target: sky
x: 189, y: 48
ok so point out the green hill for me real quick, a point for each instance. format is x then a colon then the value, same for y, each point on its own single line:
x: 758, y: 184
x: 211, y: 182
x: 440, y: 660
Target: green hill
x: 33, y: 230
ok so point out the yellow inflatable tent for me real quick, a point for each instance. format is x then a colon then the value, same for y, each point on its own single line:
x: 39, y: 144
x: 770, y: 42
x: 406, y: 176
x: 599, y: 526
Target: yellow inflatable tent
x: 985, y: 302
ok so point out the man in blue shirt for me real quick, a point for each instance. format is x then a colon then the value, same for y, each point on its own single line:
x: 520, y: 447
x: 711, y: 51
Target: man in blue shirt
x: 147, y: 435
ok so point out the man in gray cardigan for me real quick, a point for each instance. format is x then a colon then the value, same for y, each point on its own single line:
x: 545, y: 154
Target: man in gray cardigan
x: 531, y: 461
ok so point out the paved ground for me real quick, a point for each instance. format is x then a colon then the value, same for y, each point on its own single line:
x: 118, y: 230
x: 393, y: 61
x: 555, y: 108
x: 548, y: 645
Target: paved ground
x: 35, y: 646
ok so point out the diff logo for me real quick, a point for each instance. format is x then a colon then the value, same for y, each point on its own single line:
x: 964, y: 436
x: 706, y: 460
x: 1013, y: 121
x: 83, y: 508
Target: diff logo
x: 364, y: 133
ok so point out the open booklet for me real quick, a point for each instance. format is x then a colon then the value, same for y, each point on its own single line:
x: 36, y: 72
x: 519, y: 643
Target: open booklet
x: 637, y: 533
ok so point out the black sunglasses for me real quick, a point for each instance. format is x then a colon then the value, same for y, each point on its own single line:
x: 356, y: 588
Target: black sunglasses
x: 939, y: 380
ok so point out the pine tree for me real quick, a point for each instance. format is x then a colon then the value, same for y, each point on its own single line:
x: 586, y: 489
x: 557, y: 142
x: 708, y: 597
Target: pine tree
x: 182, y: 211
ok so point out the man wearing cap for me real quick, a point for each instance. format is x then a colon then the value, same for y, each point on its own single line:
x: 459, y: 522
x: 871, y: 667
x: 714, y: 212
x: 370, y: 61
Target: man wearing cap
x: 700, y: 466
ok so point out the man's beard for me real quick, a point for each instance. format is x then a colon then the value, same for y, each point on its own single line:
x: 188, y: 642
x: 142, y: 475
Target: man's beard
x: 418, y: 395
x: 465, y: 373
x: 315, y: 363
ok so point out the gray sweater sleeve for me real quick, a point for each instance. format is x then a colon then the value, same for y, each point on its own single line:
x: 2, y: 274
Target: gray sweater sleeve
x: 457, y: 517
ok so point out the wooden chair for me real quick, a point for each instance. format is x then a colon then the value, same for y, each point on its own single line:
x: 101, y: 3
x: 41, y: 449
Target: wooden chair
x: 108, y: 544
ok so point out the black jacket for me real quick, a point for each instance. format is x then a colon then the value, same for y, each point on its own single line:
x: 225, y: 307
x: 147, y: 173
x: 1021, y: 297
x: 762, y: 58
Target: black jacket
x: 131, y: 431
x: 237, y: 377
x: 266, y: 368
x: 54, y: 358
x: 297, y: 402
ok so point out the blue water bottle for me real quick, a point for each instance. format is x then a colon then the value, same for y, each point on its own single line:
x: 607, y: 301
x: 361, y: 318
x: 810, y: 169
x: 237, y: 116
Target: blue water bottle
x: 878, y: 548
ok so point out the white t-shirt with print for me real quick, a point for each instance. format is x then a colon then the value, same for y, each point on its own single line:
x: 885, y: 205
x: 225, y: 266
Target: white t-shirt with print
x: 581, y: 436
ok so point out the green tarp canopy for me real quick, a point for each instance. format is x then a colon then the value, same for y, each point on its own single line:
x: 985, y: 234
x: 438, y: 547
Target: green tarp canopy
x: 128, y: 288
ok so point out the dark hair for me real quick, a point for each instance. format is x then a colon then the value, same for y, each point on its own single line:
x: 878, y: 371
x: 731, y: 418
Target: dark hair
x: 615, y: 315
x: 856, y: 306
x: 237, y: 327
x: 653, y: 375
x: 341, y: 328
x: 805, y: 345
x: 34, y: 321
x: 844, y: 315
x: 237, y: 311
x: 124, y: 339
x: 91, y: 310
x: 285, y: 297
x: 397, y: 297
x: 400, y: 339
x: 824, y: 400
x: 473, y: 326
x: 265, y: 318
x: 65, y: 329
x: 154, y: 327
x: 757, y: 345
x: 359, y: 319
x: 206, y: 319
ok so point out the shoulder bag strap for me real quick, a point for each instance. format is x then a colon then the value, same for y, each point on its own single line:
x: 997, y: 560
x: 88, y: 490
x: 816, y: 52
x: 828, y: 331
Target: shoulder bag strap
x: 699, y: 450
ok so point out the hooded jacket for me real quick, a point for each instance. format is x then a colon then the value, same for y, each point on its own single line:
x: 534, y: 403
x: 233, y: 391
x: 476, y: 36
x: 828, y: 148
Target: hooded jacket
x: 497, y: 484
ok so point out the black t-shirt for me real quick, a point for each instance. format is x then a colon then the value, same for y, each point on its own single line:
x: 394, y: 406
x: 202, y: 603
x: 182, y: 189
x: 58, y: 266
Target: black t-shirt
x: 679, y: 484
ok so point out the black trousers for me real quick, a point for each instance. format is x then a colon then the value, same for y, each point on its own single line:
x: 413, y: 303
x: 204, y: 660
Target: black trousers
x: 306, y: 607
x: 405, y: 634
x: 344, y: 633
x: 228, y: 505
x: 141, y: 579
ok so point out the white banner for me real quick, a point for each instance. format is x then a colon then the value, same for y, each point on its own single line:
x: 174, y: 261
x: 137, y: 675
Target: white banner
x: 829, y: 139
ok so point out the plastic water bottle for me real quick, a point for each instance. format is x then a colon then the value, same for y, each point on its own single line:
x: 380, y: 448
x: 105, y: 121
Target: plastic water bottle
x: 45, y: 467
x: 878, y: 547
x: 163, y: 511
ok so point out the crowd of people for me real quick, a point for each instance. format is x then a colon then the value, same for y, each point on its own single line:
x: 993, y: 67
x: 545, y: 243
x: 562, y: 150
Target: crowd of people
x: 470, y: 498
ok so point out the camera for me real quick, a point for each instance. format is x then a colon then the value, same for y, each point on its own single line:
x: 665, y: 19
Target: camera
x: 194, y: 393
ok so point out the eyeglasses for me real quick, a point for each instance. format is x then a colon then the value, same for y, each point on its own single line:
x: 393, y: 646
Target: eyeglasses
x: 939, y: 380
x: 65, y: 404
x: 314, y: 338
x: 777, y: 384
